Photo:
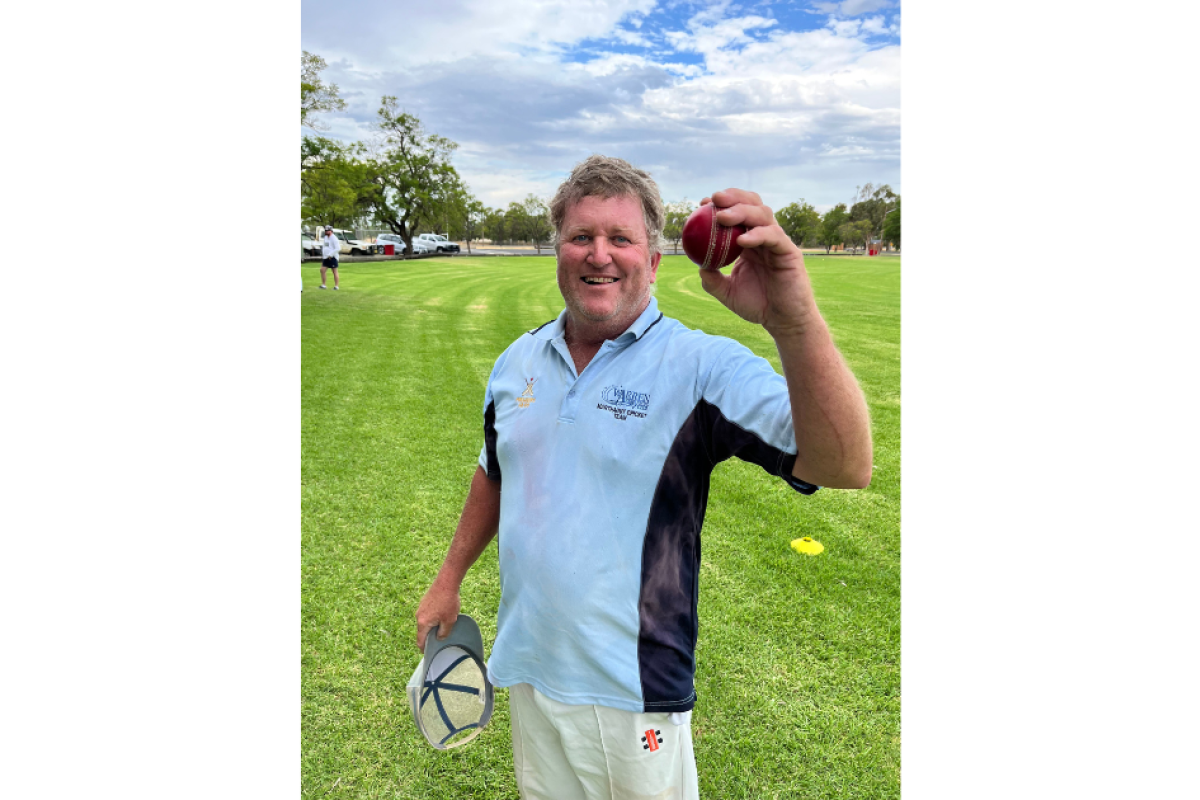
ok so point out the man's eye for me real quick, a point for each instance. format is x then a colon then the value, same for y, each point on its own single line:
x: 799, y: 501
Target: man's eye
x: 582, y: 237
x: 621, y: 239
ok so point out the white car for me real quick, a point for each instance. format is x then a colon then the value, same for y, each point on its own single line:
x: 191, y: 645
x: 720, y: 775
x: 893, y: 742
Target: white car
x: 309, y: 244
x: 352, y: 246
x: 439, y: 243
x: 419, y: 247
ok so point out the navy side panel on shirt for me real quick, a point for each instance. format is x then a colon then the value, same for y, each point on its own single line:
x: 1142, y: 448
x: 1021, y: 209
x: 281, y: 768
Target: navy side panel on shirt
x: 489, y: 441
x: 668, y: 605
x: 671, y: 572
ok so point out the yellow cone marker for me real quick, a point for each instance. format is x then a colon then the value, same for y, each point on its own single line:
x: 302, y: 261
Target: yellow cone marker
x: 808, y: 546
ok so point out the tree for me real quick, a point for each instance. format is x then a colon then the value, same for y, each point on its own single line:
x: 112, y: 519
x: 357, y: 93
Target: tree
x: 873, y: 205
x: 494, y: 227
x: 891, y: 226
x: 800, y: 221
x: 514, y: 222
x: 865, y: 234
x: 537, y: 220
x: 529, y: 221
x: 855, y: 233
x: 333, y: 182
x: 676, y: 216
x: 832, y: 221
x: 474, y: 217
x: 411, y: 175
x: 315, y: 95
x: 452, y: 206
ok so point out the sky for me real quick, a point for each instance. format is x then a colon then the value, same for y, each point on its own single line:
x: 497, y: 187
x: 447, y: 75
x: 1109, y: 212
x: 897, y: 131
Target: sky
x: 791, y: 99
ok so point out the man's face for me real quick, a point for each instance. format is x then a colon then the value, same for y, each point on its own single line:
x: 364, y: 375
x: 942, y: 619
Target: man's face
x: 604, y: 263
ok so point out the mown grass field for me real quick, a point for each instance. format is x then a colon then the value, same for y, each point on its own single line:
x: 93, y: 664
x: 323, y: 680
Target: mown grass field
x: 798, y: 677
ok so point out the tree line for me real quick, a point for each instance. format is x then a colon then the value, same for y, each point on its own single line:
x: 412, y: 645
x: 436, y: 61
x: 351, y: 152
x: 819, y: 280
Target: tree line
x: 874, y: 216
x: 403, y: 179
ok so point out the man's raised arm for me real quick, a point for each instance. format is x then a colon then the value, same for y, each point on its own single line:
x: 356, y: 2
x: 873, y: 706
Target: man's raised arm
x: 769, y: 286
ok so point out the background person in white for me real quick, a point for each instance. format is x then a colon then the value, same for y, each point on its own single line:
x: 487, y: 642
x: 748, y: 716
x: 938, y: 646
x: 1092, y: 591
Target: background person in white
x: 331, y: 248
x: 607, y: 261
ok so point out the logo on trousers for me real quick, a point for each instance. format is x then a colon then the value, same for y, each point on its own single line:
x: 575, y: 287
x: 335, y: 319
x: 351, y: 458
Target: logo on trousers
x: 651, y: 740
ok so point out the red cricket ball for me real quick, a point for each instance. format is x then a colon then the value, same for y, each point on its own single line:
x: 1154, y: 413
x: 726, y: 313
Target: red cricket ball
x: 709, y: 244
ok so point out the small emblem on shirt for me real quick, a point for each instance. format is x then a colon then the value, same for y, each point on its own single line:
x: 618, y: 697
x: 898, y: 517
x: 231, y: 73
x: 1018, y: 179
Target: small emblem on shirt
x: 624, y: 403
x: 526, y: 398
x: 651, y: 740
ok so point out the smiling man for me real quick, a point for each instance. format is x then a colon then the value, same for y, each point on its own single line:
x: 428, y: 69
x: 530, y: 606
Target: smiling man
x: 603, y: 427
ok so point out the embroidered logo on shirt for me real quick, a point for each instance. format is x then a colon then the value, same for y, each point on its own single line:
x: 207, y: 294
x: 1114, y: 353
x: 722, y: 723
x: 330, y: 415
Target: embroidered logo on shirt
x: 651, y: 740
x: 624, y: 403
x: 526, y: 398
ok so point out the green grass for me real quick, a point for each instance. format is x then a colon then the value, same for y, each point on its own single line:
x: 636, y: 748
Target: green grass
x: 798, y: 673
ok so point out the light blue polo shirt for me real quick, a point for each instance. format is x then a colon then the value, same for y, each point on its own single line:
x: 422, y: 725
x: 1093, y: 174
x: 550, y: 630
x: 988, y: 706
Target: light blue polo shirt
x: 604, y: 483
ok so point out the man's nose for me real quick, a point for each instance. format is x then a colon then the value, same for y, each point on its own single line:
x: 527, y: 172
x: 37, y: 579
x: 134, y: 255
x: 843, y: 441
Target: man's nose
x: 599, y: 250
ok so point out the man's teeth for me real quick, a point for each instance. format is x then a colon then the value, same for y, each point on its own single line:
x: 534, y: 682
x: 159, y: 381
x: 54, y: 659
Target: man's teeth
x: 599, y: 280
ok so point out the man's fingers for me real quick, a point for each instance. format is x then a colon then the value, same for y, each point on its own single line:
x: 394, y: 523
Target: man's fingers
x: 733, y: 197
x: 439, y: 605
x: 740, y: 207
x: 441, y: 630
x: 439, y: 627
x: 752, y: 216
x: 768, y: 237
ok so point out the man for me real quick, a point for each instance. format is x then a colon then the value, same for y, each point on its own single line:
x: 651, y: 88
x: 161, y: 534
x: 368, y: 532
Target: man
x: 331, y: 248
x: 603, y: 427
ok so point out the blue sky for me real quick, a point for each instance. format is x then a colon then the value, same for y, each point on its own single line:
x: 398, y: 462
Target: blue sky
x: 789, y: 99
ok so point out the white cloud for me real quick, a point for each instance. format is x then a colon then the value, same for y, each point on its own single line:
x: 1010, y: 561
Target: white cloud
x: 720, y: 35
x: 874, y: 25
x: 382, y: 35
x: 713, y: 12
x: 810, y: 111
x: 845, y: 27
x: 852, y: 8
x: 607, y: 65
x: 631, y: 38
x: 497, y: 186
x: 685, y: 70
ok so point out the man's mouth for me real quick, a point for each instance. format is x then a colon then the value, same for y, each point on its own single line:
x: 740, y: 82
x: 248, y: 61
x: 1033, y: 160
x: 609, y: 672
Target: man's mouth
x: 598, y: 279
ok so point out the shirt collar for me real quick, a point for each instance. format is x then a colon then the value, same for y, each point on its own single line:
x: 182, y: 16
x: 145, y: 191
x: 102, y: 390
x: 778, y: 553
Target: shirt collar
x: 555, y: 330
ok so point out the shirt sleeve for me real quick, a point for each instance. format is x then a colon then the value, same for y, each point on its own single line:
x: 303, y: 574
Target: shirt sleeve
x: 749, y: 414
x: 487, y: 456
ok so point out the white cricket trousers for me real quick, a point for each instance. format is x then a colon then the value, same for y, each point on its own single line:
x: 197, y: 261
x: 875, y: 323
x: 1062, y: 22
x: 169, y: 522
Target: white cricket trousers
x: 565, y: 752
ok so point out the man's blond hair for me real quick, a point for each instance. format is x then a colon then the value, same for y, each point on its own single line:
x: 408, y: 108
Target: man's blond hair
x: 603, y: 176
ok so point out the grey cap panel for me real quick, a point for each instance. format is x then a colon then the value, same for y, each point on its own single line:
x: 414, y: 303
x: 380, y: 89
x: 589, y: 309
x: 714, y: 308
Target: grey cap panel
x: 465, y: 634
